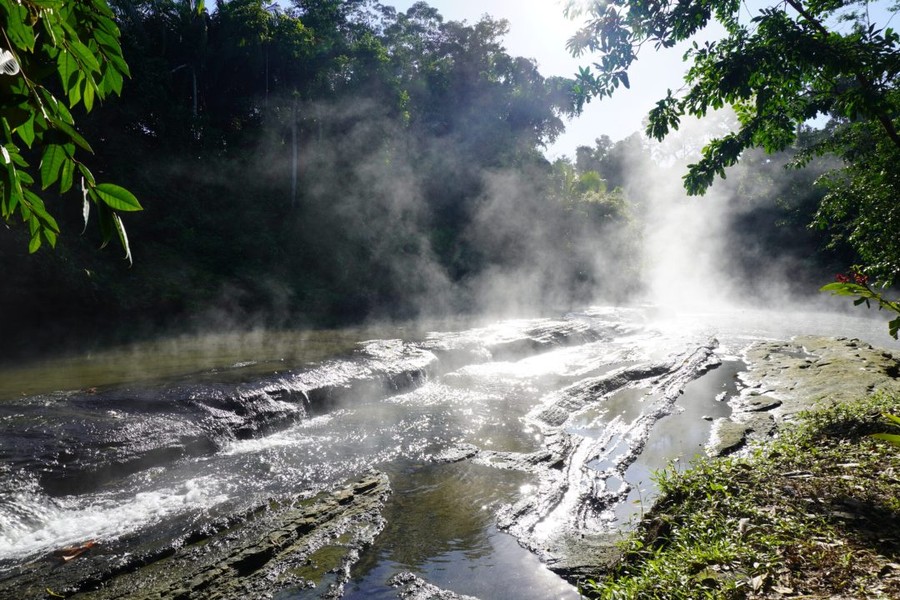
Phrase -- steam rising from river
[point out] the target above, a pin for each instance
(394, 224)
(702, 252)
(374, 214)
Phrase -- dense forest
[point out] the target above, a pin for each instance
(337, 161)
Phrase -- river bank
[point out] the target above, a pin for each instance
(810, 511)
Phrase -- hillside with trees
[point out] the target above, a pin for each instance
(331, 162)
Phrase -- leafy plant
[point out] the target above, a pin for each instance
(857, 285)
(76, 44)
(889, 437)
(774, 523)
(778, 69)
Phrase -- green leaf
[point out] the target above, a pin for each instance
(105, 216)
(88, 96)
(14, 200)
(51, 162)
(888, 437)
(111, 81)
(20, 34)
(15, 183)
(75, 90)
(26, 131)
(73, 135)
(102, 7)
(117, 198)
(34, 244)
(108, 26)
(843, 289)
(50, 236)
(86, 173)
(119, 63)
(37, 206)
(17, 159)
(892, 418)
(67, 67)
(107, 41)
(84, 55)
(68, 171)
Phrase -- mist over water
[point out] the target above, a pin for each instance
(154, 441)
(731, 248)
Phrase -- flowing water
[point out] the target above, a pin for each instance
(152, 442)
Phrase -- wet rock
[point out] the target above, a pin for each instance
(727, 437)
(286, 545)
(559, 408)
(785, 378)
(95, 438)
(844, 369)
(569, 521)
(807, 372)
(762, 403)
(580, 557)
(504, 342)
(411, 587)
(454, 454)
(546, 458)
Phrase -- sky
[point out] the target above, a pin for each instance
(539, 30)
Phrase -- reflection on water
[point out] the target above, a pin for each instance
(169, 440)
(681, 435)
(454, 545)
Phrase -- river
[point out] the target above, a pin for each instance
(495, 440)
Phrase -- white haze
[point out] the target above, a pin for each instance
(376, 202)
(690, 251)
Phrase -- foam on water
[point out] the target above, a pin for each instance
(296, 436)
(30, 522)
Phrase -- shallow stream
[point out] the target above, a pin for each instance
(152, 442)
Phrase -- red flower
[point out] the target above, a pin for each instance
(841, 278)
(860, 279)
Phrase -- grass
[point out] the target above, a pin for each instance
(812, 515)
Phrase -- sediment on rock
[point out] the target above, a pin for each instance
(785, 378)
(573, 494)
(411, 587)
(287, 544)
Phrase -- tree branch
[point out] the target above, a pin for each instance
(866, 85)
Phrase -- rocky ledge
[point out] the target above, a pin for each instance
(283, 546)
(785, 378)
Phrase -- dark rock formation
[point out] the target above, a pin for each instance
(285, 545)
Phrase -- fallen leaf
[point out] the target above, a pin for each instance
(71, 552)
(782, 590)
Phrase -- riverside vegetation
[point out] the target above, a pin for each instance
(812, 515)
(324, 162)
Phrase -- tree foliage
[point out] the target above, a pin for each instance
(786, 65)
(320, 160)
(57, 55)
(779, 68)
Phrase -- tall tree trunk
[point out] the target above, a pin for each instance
(194, 88)
(294, 155)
